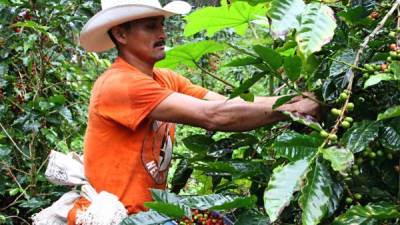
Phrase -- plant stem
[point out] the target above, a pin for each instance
(12, 140)
(271, 85)
(347, 64)
(355, 64)
(214, 76)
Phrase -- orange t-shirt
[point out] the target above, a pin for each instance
(126, 153)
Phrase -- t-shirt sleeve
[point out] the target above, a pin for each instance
(129, 98)
(185, 86)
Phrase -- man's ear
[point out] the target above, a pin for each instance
(119, 34)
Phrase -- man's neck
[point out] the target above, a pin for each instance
(144, 67)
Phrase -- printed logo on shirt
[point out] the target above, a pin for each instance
(157, 151)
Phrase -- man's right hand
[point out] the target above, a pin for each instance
(303, 106)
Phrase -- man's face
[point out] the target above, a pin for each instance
(146, 39)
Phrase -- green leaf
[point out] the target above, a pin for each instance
(335, 199)
(181, 176)
(341, 159)
(354, 15)
(31, 24)
(57, 99)
(243, 139)
(295, 146)
(213, 19)
(236, 169)
(244, 61)
(247, 85)
(340, 59)
(243, 202)
(376, 79)
(189, 53)
(303, 120)
(283, 183)
(164, 196)
(390, 137)
(272, 58)
(390, 113)
(145, 218)
(252, 218)
(315, 196)
(169, 210)
(4, 150)
(365, 215)
(293, 66)
(282, 101)
(317, 28)
(207, 201)
(283, 14)
(369, 5)
(395, 68)
(247, 96)
(198, 142)
(66, 113)
(358, 137)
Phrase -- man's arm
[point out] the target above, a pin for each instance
(223, 115)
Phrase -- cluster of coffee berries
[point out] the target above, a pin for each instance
(394, 33)
(394, 54)
(373, 15)
(356, 196)
(202, 217)
(23, 16)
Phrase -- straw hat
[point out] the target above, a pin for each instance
(94, 36)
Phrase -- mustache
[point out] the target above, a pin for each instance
(159, 43)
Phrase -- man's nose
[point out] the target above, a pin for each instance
(162, 34)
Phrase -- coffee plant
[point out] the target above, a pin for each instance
(342, 168)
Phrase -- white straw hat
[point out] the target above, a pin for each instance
(94, 36)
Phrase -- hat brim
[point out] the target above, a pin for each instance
(94, 36)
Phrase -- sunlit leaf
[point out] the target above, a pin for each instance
(317, 28)
(390, 113)
(295, 146)
(188, 54)
(283, 14)
(315, 195)
(358, 137)
(390, 137)
(304, 120)
(369, 214)
(341, 159)
(376, 79)
(237, 15)
(283, 183)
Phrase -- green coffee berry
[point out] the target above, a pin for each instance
(350, 106)
(324, 133)
(343, 96)
(348, 119)
(345, 124)
(335, 111)
(357, 196)
(332, 137)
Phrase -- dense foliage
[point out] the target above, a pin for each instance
(343, 169)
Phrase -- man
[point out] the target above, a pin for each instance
(134, 107)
